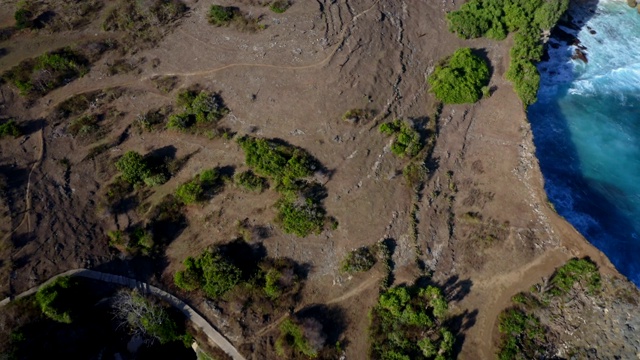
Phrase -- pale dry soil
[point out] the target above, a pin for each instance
(293, 81)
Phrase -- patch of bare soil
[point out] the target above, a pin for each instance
(483, 224)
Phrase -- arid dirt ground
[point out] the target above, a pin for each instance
(294, 80)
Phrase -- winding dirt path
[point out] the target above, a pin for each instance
(213, 335)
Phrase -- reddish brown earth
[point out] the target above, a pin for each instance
(294, 80)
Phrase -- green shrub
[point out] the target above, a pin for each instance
(46, 72)
(494, 18)
(280, 6)
(116, 237)
(582, 271)
(358, 260)
(145, 318)
(50, 300)
(143, 22)
(250, 181)
(523, 337)
(9, 128)
(301, 217)
(189, 192)
(221, 15)
(407, 139)
(292, 335)
(210, 272)
(199, 109)
(408, 323)
(23, 18)
(133, 167)
(194, 190)
(460, 79)
(284, 163)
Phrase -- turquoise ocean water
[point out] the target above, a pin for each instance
(586, 127)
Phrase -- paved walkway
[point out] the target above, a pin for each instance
(145, 288)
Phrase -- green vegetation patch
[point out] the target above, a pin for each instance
(38, 76)
(282, 162)
(524, 336)
(407, 140)
(301, 216)
(460, 78)
(250, 181)
(148, 319)
(9, 128)
(197, 188)
(56, 16)
(576, 271)
(279, 6)
(143, 22)
(230, 15)
(199, 109)
(496, 18)
(408, 323)
(359, 260)
(133, 167)
(292, 335)
(52, 300)
(210, 272)
(300, 209)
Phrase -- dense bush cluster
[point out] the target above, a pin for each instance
(51, 299)
(250, 181)
(496, 18)
(210, 272)
(281, 162)
(136, 169)
(222, 15)
(226, 15)
(300, 337)
(46, 72)
(460, 79)
(407, 323)
(198, 109)
(523, 334)
(143, 22)
(55, 16)
(300, 215)
(9, 128)
(196, 189)
(219, 270)
(146, 319)
(407, 139)
(300, 211)
(581, 271)
(133, 167)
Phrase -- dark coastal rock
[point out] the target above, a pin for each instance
(579, 54)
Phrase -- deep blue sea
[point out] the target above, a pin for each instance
(586, 127)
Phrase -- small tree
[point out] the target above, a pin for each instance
(460, 79)
(133, 167)
(49, 300)
(144, 318)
